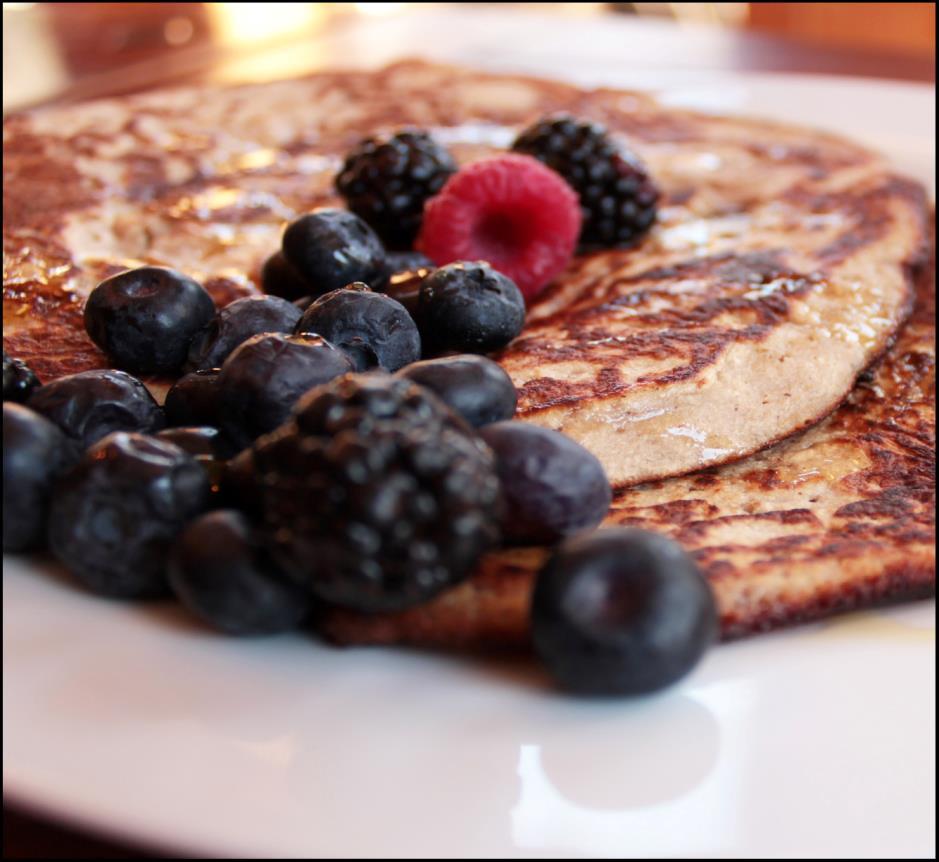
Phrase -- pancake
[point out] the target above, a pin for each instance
(778, 251)
(837, 518)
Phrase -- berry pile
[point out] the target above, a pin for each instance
(323, 445)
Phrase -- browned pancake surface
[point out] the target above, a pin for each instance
(777, 250)
(837, 518)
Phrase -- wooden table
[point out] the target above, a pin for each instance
(583, 46)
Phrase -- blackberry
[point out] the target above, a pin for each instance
(617, 196)
(387, 180)
(19, 380)
(376, 496)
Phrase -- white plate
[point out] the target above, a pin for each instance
(813, 742)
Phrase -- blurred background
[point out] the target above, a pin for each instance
(70, 51)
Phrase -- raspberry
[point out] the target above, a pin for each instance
(511, 211)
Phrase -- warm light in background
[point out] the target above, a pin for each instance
(378, 9)
(245, 23)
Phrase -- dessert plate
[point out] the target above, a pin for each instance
(817, 741)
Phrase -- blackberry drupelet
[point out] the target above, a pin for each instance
(376, 497)
(387, 180)
(617, 196)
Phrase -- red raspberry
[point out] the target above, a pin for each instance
(511, 211)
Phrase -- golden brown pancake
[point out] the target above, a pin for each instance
(837, 518)
(777, 272)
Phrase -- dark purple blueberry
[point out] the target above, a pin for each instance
(331, 248)
(262, 379)
(304, 302)
(115, 515)
(469, 307)
(280, 278)
(35, 453)
(208, 446)
(220, 571)
(196, 440)
(475, 387)
(405, 287)
(19, 380)
(398, 263)
(621, 612)
(552, 487)
(145, 318)
(193, 400)
(406, 261)
(239, 484)
(91, 404)
(236, 323)
(373, 329)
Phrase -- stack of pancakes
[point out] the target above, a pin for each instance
(757, 376)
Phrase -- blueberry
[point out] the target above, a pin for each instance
(552, 486)
(406, 261)
(235, 324)
(399, 262)
(196, 440)
(193, 400)
(35, 453)
(219, 571)
(331, 248)
(19, 380)
(115, 515)
(304, 302)
(470, 307)
(280, 278)
(475, 387)
(239, 486)
(373, 329)
(144, 319)
(261, 380)
(91, 404)
(621, 612)
(405, 287)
